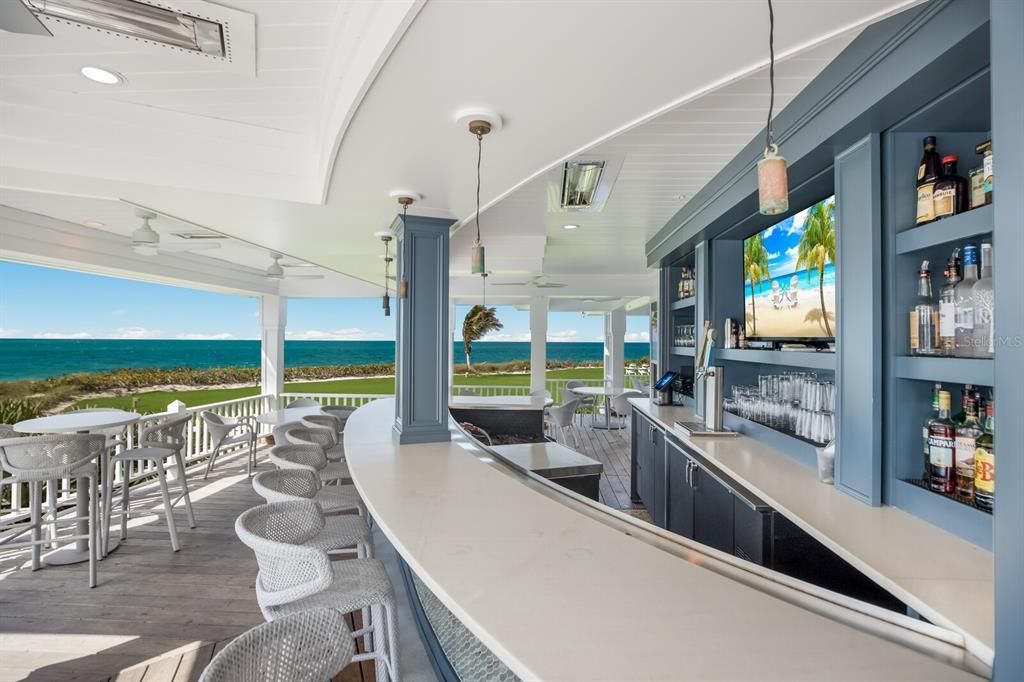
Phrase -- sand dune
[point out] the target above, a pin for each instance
(802, 320)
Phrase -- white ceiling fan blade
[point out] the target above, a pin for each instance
(303, 277)
(180, 248)
(551, 285)
(509, 284)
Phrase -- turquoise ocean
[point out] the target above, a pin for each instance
(42, 358)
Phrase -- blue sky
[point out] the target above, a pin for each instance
(781, 240)
(37, 302)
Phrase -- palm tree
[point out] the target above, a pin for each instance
(755, 269)
(817, 248)
(480, 321)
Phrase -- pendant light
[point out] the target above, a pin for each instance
(479, 128)
(772, 179)
(386, 298)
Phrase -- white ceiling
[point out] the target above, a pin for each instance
(674, 89)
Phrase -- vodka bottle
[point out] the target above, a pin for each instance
(947, 306)
(924, 318)
(964, 304)
(982, 293)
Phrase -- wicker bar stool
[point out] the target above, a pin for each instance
(157, 443)
(38, 459)
(308, 432)
(310, 457)
(342, 412)
(310, 646)
(326, 421)
(340, 531)
(294, 577)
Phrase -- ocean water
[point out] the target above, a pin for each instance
(41, 358)
(808, 282)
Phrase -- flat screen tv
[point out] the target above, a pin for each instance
(789, 277)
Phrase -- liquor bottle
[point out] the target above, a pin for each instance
(985, 149)
(941, 448)
(985, 464)
(967, 435)
(924, 318)
(964, 303)
(984, 323)
(966, 392)
(927, 175)
(925, 431)
(947, 306)
(951, 194)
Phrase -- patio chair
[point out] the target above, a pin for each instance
(342, 412)
(303, 402)
(158, 442)
(307, 433)
(561, 418)
(586, 404)
(294, 577)
(341, 532)
(37, 459)
(621, 407)
(326, 421)
(228, 431)
(280, 432)
(6, 431)
(309, 645)
(308, 457)
(283, 485)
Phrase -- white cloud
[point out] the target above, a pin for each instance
(792, 251)
(62, 335)
(135, 333)
(770, 231)
(773, 256)
(9, 333)
(349, 334)
(506, 337)
(798, 224)
(564, 335)
(206, 337)
(638, 337)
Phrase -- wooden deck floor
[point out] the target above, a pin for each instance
(155, 615)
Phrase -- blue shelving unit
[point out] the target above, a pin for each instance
(807, 359)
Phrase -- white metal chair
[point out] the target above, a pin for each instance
(228, 431)
(621, 407)
(314, 434)
(309, 646)
(303, 402)
(158, 442)
(561, 417)
(309, 457)
(585, 404)
(294, 577)
(289, 485)
(37, 459)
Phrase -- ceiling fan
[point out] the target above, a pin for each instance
(538, 281)
(146, 240)
(276, 269)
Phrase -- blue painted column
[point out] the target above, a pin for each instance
(421, 337)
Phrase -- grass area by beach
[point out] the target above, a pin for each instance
(157, 401)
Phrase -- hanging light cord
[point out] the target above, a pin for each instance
(479, 157)
(771, 75)
(387, 266)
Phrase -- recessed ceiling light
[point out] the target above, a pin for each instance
(93, 223)
(570, 226)
(104, 76)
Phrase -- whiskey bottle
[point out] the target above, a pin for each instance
(967, 435)
(985, 464)
(963, 311)
(924, 318)
(947, 306)
(941, 449)
(925, 431)
(983, 343)
(927, 175)
(951, 195)
(966, 392)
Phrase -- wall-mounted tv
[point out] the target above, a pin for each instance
(789, 277)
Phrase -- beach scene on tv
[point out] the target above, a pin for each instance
(790, 277)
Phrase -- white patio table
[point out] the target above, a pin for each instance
(601, 392)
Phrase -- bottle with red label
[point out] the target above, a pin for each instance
(942, 448)
(950, 196)
(985, 464)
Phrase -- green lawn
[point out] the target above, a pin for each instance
(157, 401)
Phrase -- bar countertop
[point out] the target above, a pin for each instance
(558, 594)
(945, 578)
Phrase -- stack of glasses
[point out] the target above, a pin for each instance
(796, 402)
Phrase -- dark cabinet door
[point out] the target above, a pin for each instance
(638, 435)
(645, 462)
(752, 532)
(659, 486)
(712, 511)
(680, 495)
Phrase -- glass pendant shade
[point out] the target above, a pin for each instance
(386, 304)
(478, 259)
(772, 183)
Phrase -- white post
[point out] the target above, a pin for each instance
(538, 343)
(273, 320)
(451, 346)
(614, 350)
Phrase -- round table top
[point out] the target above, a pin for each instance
(288, 415)
(81, 420)
(596, 390)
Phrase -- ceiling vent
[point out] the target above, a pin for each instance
(194, 29)
(583, 184)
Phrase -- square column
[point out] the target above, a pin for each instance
(614, 348)
(273, 320)
(421, 337)
(538, 343)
